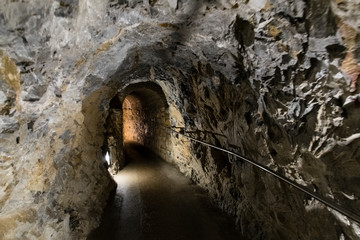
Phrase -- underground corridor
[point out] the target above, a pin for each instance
(146, 152)
(180, 119)
(153, 199)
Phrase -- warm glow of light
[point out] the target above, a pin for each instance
(125, 178)
(133, 120)
(107, 158)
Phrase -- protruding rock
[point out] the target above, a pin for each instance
(173, 3)
(8, 124)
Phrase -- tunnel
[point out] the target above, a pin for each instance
(138, 114)
(179, 119)
(153, 200)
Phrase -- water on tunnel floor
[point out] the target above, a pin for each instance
(154, 200)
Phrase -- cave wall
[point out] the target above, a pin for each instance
(134, 121)
(276, 81)
(156, 138)
(114, 141)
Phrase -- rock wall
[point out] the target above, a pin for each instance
(113, 140)
(135, 126)
(275, 81)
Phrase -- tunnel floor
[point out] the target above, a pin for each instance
(155, 201)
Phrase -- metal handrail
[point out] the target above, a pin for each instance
(303, 189)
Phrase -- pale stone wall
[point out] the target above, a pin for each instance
(135, 127)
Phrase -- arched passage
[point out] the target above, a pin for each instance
(153, 199)
(136, 114)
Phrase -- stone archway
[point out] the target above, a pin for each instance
(137, 114)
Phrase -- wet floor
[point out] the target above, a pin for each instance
(154, 201)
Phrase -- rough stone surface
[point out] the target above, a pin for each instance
(275, 81)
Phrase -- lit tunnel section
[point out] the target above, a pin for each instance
(153, 199)
(135, 126)
(135, 115)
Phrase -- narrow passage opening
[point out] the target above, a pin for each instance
(135, 116)
(144, 110)
(153, 200)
